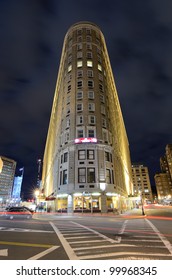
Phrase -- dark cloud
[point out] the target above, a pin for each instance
(139, 41)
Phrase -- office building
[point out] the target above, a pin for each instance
(141, 182)
(6, 179)
(86, 163)
(163, 180)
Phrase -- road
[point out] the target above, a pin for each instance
(89, 237)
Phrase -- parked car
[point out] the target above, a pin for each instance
(18, 213)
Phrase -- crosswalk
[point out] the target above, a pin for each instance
(136, 239)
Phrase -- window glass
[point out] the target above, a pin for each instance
(90, 154)
(81, 175)
(65, 177)
(91, 175)
(89, 63)
(81, 154)
(79, 63)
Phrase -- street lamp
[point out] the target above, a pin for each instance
(142, 204)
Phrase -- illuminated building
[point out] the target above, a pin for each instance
(141, 182)
(86, 161)
(163, 180)
(6, 179)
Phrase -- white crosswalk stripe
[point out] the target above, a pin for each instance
(81, 242)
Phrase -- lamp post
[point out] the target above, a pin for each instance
(142, 204)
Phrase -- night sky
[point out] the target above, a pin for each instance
(138, 35)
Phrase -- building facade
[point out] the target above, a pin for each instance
(86, 161)
(163, 180)
(163, 188)
(6, 179)
(141, 182)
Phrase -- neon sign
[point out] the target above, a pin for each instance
(85, 140)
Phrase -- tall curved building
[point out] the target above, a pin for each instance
(86, 161)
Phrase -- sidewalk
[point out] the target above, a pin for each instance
(54, 215)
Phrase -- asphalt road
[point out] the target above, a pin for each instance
(89, 237)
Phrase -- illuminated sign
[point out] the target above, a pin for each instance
(85, 140)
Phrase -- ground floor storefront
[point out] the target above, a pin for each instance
(90, 202)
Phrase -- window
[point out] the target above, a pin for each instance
(79, 55)
(101, 87)
(79, 74)
(88, 31)
(102, 98)
(91, 133)
(68, 111)
(79, 63)
(68, 100)
(108, 176)
(79, 31)
(92, 119)
(88, 38)
(69, 78)
(90, 154)
(103, 110)
(66, 136)
(79, 84)
(81, 154)
(91, 107)
(89, 47)
(80, 133)
(65, 177)
(60, 177)
(79, 47)
(81, 175)
(100, 77)
(91, 94)
(107, 156)
(61, 160)
(105, 135)
(69, 68)
(65, 159)
(69, 88)
(90, 84)
(104, 122)
(79, 119)
(79, 95)
(99, 51)
(91, 175)
(89, 63)
(99, 59)
(67, 122)
(79, 39)
(99, 67)
(89, 54)
(70, 59)
(79, 107)
(90, 73)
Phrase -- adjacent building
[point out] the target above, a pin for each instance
(163, 180)
(86, 161)
(8, 167)
(141, 182)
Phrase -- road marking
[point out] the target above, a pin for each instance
(42, 254)
(81, 237)
(76, 234)
(104, 246)
(4, 252)
(23, 230)
(161, 236)
(69, 251)
(88, 257)
(25, 244)
(97, 233)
